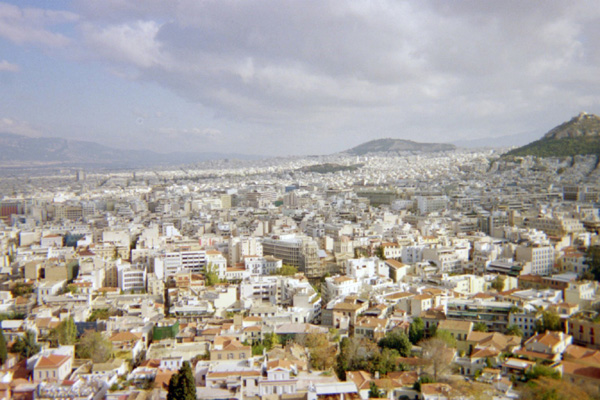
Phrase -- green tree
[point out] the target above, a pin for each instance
(286, 270)
(26, 345)
(3, 349)
(93, 345)
(65, 333)
(380, 252)
(514, 330)
(211, 275)
(384, 361)
(445, 336)
(398, 341)
(549, 321)
(592, 258)
(539, 370)
(270, 340)
(182, 385)
(498, 283)
(374, 392)
(480, 327)
(416, 330)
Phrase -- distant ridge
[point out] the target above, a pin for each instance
(30, 152)
(397, 145)
(578, 136)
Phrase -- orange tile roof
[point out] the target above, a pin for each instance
(51, 361)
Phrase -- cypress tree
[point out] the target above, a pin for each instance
(3, 349)
(182, 385)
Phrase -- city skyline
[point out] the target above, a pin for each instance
(293, 78)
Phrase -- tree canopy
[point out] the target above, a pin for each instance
(416, 330)
(65, 333)
(549, 321)
(398, 341)
(93, 345)
(182, 385)
(3, 349)
(26, 345)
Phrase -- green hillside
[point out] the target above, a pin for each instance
(565, 147)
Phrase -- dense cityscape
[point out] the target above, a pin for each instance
(456, 274)
(299, 200)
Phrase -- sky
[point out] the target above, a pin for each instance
(281, 77)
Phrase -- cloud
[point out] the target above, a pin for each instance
(8, 67)
(30, 25)
(316, 76)
(18, 127)
(191, 132)
(132, 44)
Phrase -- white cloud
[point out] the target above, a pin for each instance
(132, 43)
(8, 67)
(31, 25)
(319, 76)
(18, 127)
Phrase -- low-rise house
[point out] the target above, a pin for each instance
(54, 365)
(226, 348)
(371, 328)
(547, 346)
(279, 378)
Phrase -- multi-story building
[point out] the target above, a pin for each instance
(267, 265)
(495, 314)
(132, 277)
(541, 258)
(585, 329)
(298, 251)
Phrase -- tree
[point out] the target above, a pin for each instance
(514, 330)
(397, 340)
(550, 321)
(286, 270)
(437, 356)
(65, 333)
(445, 336)
(498, 283)
(26, 345)
(3, 349)
(592, 258)
(182, 385)
(270, 340)
(384, 361)
(355, 354)
(539, 370)
(374, 392)
(211, 276)
(552, 389)
(93, 345)
(380, 252)
(416, 330)
(480, 327)
(322, 353)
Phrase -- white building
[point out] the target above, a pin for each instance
(131, 277)
(541, 258)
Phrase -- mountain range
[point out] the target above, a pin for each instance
(23, 151)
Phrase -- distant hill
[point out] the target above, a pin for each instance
(397, 145)
(23, 151)
(580, 135)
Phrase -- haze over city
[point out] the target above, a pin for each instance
(293, 78)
